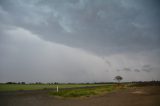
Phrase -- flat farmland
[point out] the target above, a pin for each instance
(106, 95)
(17, 87)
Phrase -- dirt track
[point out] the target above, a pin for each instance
(142, 96)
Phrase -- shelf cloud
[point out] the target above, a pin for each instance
(78, 40)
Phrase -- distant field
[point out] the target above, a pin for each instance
(15, 87)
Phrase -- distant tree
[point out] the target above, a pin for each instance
(11, 83)
(23, 83)
(118, 78)
(56, 83)
(38, 83)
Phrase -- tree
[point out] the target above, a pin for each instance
(118, 78)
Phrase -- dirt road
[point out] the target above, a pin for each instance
(141, 96)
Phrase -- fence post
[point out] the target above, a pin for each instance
(57, 88)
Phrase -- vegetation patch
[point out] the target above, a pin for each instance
(84, 91)
(17, 87)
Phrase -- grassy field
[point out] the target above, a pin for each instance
(86, 92)
(15, 87)
(75, 90)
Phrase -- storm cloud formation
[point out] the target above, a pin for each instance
(78, 40)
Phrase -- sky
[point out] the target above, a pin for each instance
(79, 40)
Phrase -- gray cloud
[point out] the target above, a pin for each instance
(124, 32)
(118, 70)
(108, 63)
(136, 70)
(147, 68)
(127, 69)
(95, 24)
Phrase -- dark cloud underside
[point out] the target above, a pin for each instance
(121, 36)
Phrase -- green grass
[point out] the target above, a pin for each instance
(75, 91)
(15, 87)
(81, 92)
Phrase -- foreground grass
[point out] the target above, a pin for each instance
(86, 92)
(16, 87)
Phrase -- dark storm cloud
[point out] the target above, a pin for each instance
(103, 26)
(84, 38)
